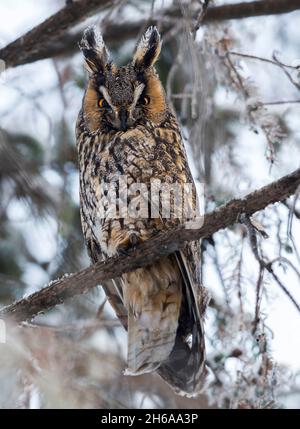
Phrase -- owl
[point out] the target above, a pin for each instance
(128, 139)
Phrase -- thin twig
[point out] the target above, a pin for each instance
(283, 68)
(273, 103)
(266, 60)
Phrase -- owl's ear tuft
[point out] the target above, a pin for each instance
(94, 50)
(148, 49)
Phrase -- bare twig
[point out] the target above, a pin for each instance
(281, 285)
(268, 266)
(201, 16)
(75, 328)
(258, 299)
(265, 60)
(288, 75)
(274, 103)
(252, 110)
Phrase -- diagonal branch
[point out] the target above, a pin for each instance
(162, 244)
(51, 38)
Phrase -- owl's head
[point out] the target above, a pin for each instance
(120, 98)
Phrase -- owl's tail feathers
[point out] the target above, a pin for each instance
(148, 345)
(153, 297)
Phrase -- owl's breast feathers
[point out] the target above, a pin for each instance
(163, 301)
(142, 159)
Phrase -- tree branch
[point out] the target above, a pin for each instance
(254, 8)
(27, 46)
(51, 39)
(146, 253)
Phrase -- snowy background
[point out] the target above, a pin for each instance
(34, 103)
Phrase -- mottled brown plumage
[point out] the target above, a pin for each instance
(127, 130)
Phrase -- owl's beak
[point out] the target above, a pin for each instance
(123, 116)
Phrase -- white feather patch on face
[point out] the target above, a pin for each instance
(137, 93)
(106, 96)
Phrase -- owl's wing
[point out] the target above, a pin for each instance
(185, 369)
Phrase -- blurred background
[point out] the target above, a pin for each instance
(240, 120)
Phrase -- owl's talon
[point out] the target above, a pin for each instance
(134, 239)
(129, 246)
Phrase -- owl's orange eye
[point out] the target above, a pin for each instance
(145, 100)
(103, 104)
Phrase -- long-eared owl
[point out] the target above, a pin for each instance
(128, 139)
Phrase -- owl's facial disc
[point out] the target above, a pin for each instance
(119, 98)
